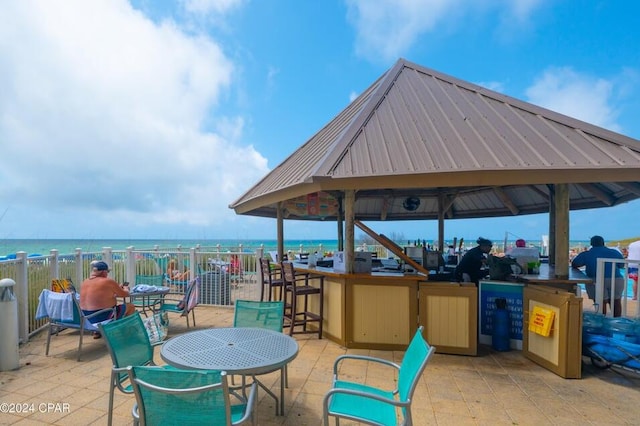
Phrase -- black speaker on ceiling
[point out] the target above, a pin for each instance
(411, 204)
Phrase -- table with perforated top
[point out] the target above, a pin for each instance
(244, 351)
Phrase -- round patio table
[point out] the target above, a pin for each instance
(244, 351)
(150, 299)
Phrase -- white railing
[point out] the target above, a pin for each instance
(602, 280)
(33, 274)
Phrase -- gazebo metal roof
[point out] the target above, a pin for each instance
(418, 133)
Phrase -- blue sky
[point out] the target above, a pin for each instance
(146, 119)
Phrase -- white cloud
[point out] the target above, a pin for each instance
(102, 114)
(496, 86)
(386, 29)
(211, 6)
(577, 95)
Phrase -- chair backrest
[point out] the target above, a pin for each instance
(128, 341)
(192, 295)
(157, 280)
(413, 364)
(64, 309)
(251, 313)
(173, 396)
(162, 263)
(288, 273)
(265, 268)
(64, 285)
(60, 307)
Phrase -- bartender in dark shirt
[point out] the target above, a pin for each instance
(470, 267)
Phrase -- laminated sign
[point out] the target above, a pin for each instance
(541, 320)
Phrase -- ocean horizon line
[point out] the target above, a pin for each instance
(44, 246)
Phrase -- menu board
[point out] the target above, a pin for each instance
(489, 292)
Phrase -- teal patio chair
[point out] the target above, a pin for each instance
(269, 315)
(129, 345)
(183, 304)
(187, 397)
(57, 322)
(373, 405)
(251, 313)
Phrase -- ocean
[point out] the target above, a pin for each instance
(68, 246)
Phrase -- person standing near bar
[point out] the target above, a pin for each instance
(589, 259)
(470, 268)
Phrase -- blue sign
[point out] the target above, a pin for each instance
(512, 292)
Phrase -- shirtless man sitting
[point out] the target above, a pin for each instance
(99, 292)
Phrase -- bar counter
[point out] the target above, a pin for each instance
(547, 276)
(380, 310)
(371, 311)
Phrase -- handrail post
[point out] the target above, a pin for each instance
(130, 266)
(54, 270)
(79, 268)
(22, 296)
(192, 263)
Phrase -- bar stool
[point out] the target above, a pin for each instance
(298, 286)
(269, 280)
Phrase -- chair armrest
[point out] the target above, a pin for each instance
(362, 358)
(390, 401)
(177, 297)
(101, 311)
(250, 404)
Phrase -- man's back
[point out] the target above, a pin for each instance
(99, 293)
(589, 259)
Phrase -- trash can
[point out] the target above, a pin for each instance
(500, 338)
(9, 357)
(215, 288)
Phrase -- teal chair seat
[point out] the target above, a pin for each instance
(357, 401)
(374, 405)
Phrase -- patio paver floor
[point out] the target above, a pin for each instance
(494, 388)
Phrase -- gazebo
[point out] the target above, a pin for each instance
(422, 145)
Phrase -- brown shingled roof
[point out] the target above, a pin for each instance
(416, 132)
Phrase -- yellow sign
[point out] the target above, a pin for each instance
(541, 320)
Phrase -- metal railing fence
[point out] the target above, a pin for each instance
(235, 267)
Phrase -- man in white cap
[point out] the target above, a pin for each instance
(99, 292)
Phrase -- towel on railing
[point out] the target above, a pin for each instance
(55, 305)
(144, 288)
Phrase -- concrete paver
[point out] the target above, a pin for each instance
(494, 388)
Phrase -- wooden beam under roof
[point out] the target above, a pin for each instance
(506, 200)
(634, 187)
(601, 195)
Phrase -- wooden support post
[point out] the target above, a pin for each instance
(349, 217)
(562, 230)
